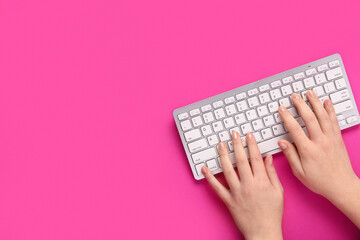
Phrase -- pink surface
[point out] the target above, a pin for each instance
(88, 145)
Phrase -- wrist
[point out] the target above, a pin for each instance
(346, 191)
(274, 234)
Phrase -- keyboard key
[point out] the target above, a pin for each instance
(183, 116)
(334, 63)
(323, 67)
(217, 126)
(309, 82)
(340, 117)
(218, 104)
(246, 128)
(329, 87)
(269, 120)
(212, 165)
(198, 169)
(251, 114)
(298, 86)
(264, 98)
(285, 102)
(340, 83)
(206, 130)
(264, 88)
(286, 90)
(240, 96)
(293, 112)
(253, 102)
(204, 155)
(231, 147)
(235, 129)
(277, 117)
(334, 73)
(229, 100)
(273, 107)
(185, 125)
(224, 136)
(310, 71)
(343, 106)
(240, 118)
(257, 137)
(208, 117)
(257, 124)
(278, 129)
(197, 145)
(206, 108)
(319, 91)
(322, 99)
(230, 110)
(252, 92)
(195, 112)
(262, 111)
(287, 80)
(229, 122)
(275, 84)
(299, 75)
(213, 140)
(275, 94)
(340, 96)
(197, 121)
(300, 121)
(192, 135)
(351, 119)
(320, 78)
(242, 106)
(266, 133)
(219, 113)
(303, 95)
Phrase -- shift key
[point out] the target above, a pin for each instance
(204, 155)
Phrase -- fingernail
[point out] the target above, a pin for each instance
(249, 136)
(328, 103)
(295, 96)
(270, 160)
(310, 93)
(283, 146)
(221, 146)
(204, 170)
(282, 109)
(235, 135)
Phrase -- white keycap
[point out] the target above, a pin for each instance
(212, 165)
(269, 120)
(340, 83)
(285, 102)
(264, 88)
(246, 128)
(287, 80)
(309, 82)
(204, 155)
(257, 137)
(329, 87)
(275, 84)
(319, 91)
(303, 95)
(240, 118)
(286, 90)
(299, 75)
(206, 108)
(257, 124)
(192, 135)
(262, 111)
(229, 100)
(339, 96)
(293, 112)
(195, 112)
(206, 130)
(197, 145)
(323, 67)
(334, 63)
(277, 117)
(278, 129)
(252, 92)
(300, 121)
(334, 73)
(251, 114)
(310, 71)
(229, 122)
(230, 110)
(342, 123)
(198, 168)
(264, 98)
(183, 116)
(242, 106)
(273, 107)
(219, 113)
(275, 94)
(217, 126)
(253, 102)
(320, 78)
(340, 117)
(298, 86)
(351, 119)
(322, 99)
(266, 133)
(224, 136)
(197, 121)
(213, 140)
(218, 104)
(243, 139)
(240, 96)
(343, 106)
(231, 147)
(235, 129)
(185, 125)
(208, 117)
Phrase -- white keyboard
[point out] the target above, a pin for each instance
(253, 108)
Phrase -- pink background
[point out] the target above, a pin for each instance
(88, 145)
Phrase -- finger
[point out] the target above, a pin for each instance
(242, 161)
(320, 112)
(292, 156)
(294, 128)
(271, 172)
(228, 169)
(329, 107)
(257, 163)
(220, 190)
(307, 115)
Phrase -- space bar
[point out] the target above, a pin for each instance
(272, 144)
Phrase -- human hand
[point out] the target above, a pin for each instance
(256, 199)
(319, 161)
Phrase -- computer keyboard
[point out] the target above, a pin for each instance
(253, 108)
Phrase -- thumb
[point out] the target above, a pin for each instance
(292, 156)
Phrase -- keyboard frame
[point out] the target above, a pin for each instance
(256, 84)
